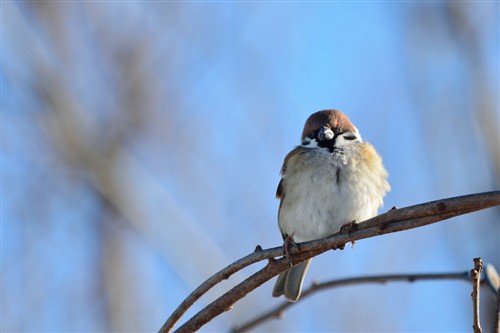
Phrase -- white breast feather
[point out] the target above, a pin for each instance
(319, 199)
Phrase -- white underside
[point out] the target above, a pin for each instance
(319, 200)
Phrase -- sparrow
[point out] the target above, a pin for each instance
(332, 179)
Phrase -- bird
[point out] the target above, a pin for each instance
(332, 179)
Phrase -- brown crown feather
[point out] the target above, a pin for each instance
(334, 118)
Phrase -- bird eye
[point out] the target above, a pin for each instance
(350, 137)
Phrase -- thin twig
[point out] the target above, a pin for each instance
(392, 221)
(315, 287)
(475, 275)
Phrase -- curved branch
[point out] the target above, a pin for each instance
(392, 221)
(224, 274)
(315, 287)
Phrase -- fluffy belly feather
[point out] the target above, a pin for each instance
(319, 199)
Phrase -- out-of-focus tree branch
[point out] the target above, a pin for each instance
(392, 221)
(482, 90)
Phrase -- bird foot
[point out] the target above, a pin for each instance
(286, 248)
(349, 227)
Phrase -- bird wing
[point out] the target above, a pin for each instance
(280, 191)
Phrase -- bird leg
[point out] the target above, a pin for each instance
(286, 248)
(349, 227)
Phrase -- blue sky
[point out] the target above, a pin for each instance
(189, 109)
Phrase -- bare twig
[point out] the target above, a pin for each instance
(392, 221)
(475, 275)
(278, 311)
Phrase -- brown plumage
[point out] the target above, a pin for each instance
(332, 118)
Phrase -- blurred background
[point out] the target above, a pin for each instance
(142, 143)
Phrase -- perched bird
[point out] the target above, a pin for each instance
(333, 178)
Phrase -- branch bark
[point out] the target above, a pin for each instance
(393, 221)
(475, 275)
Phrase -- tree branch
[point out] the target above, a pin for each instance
(392, 221)
(475, 275)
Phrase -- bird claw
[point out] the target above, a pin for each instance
(286, 248)
(349, 227)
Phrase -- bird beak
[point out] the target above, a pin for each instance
(325, 133)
